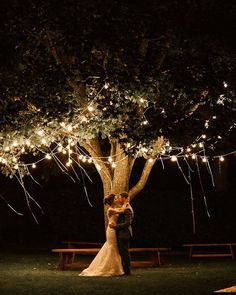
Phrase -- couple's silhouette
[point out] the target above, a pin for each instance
(113, 259)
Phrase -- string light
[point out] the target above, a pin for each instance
(113, 165)
(59, 149)
(90, 160)
(200, 144)
(7, 149)
(222, 159)
(69, 128)
(150, 160)
(204, 136)
(193, 157)
(110, 159)
(27, 142)
(48, 157)
(141, 100)
(43, 141)
(204, 159)
(16, 166)
(34, 165)
(173, 158)
(90, 108)
(106, 86)
(188, 149)
(40, 132)
(225, 84)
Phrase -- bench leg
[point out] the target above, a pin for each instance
(62, 261)
(190, 252)
(231, 251)
(156, 258)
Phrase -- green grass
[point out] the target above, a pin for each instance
(37, 273)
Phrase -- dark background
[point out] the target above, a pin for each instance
(162, 209)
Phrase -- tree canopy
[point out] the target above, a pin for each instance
(156, 77)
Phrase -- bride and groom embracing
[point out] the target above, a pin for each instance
(114, 259)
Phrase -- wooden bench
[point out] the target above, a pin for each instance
(228, 247)
(67, 256)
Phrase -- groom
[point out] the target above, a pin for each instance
(124, 231)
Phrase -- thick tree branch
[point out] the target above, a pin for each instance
(143, 178)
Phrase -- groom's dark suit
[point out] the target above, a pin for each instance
(124, 233)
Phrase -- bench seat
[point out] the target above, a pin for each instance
(67, 256)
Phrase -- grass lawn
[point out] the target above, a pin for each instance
(36, 273)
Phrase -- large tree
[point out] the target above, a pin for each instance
(108, 82)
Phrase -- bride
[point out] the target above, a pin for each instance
(108, 261)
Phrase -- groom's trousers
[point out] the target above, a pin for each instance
(123, 245)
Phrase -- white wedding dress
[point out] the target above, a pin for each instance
(108, 261)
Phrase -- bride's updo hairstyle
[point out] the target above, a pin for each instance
(109, 199)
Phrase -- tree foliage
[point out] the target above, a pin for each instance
(121, 72)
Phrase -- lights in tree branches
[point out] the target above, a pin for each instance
(222, 158)
(173, 158)
(204, 159)
(48, 157)
(203, 136)
(34, 165)
(225, 84)
(90, 108)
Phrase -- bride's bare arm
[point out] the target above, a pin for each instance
(117, 210)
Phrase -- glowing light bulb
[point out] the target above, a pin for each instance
(128, 145)
(188, 149)
(59, 149)
(145, 122)
(106, 86)
(62, 124)
(15, 143)
(204, 136)
(80, 157)
(40, 132)
(214, 117)
(64, 152)
(204, 159)
(110, 159)
(150, 160)
(201, 144)
(23, 150)
(225, 84)
(193, 157)
(113, 165)
(27, 142)
(14, 159)
(43, 141)
(84, 159)
(222, 158)
(194, 145)
(68, 164)
(173, 158)
(69, 128)
(90, 160)
(141, 100)
(48, 157)
(90, 108)
(7, 149)
(34, 165)
(16, 166)
(98, 167)
(219, 137)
